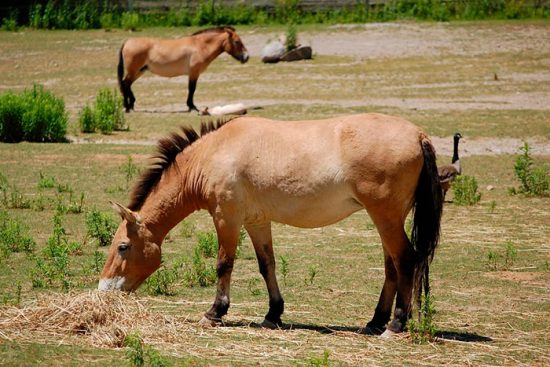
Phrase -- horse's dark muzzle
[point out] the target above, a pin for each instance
(244, 57)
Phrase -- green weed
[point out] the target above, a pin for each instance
(129, 21)
(492, 261)
(162, 282)
(101, 226)
(130, 170)
(284, 267)
(86, 120)
(322, 361)
(291, 38)
(109, 113)
(13, 236)
(207, 244)
(138, 354)
(535, 181)
(187, 229)
(465, 191)
(312, 271)
(35, 115)
(423, 331)
(252, 286)
(46, 182)
(12, 299)
(510, 255)
(200, 273)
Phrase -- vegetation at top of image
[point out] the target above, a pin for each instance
(106, 115)
(35, 115)
(465, 190)
(89, 14)
(534, 180)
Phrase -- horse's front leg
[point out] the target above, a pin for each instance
(262, 241)
(191, 92)
(228, 235)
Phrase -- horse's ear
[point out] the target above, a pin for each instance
(125, 213)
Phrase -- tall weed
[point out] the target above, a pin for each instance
(534, 180)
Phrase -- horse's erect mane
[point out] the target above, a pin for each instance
(214, 30)
(167, 150)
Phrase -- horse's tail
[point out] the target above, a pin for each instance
(428, 208)
(120, 70)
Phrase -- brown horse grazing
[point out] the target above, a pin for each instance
(252, 171)
(184, 56)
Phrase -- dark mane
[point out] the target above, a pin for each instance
(214, 29)
(167, 150)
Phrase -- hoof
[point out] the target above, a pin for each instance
(269, 325)
(368, 330)
(388, 334)
(208, 323)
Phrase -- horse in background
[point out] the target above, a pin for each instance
(184, 56)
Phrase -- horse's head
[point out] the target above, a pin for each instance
(133, 256)
(234, 46)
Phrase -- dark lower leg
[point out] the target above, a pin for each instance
(382, 312)
(191, 93)
(403, 304)
(226, 258)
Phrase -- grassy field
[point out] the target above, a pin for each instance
(491, 274)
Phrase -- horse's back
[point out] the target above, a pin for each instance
(313, 173)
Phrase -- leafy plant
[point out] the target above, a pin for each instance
(101, 226)
(9, 298)
(139, 354)
(511, 254)
(129, 21)
(312, 272)
(109, 113)
(200, 273)
(130, 170)
(465, 191)
(535, 181)
(207, 244)
(13, 236)
(86, 120)
(162, 282)
(322, 361)
(34, 115)
(492, 260)
(425, 330)
(252, 286)
(284, 267)
(46, 182)
(291, 37)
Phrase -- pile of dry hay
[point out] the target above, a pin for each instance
(100, 318)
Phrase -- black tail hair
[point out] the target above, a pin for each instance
(428, 208)
(120, 70)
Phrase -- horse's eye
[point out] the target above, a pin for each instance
(123, 247)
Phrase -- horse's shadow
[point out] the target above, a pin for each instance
(460, 336)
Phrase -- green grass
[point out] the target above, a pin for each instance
(332, 276)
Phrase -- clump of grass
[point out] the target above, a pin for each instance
(322, 361)
(252, 286)
(138, 354)
(12, 299)
(465, 191)
(35, 115)
(129, 21)
(534, 180)
(424, 331)
(46, 182)
(187, 229)
(101, 226)
(162, 282)
(291, 38)
(13, 236)
(200, 273)
(496, 260)
(106, 115)
(284, 267)
(312, 271)
(130, 170)
(207, 244)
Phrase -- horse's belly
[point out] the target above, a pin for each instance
(311, 211)
(169, 70)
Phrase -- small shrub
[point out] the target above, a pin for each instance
(86, 120)
(252, 286)
(312, 272)
(130, 170)
(207, 244)
(492, 261)
(35, 115)
(97, 262)
(129, 21)
(465, 191)
(200, 273)
(12, 299)
(100, 226)
(9, 24)
(322, 361)
(162, 282)
(425, 330)
(291, 37)
(109, 113)
(46, 182)
(134, 352)
(284, 267)
(535, 181)
(511, 254)
(18, 200)
(13, 236)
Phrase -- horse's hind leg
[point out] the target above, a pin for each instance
(399, 268)
(193, 78)
(262, 241)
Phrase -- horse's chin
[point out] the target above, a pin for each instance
(244, 58)
(115, 283)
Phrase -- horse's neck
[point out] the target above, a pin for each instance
(214, 44)
(177, 195)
